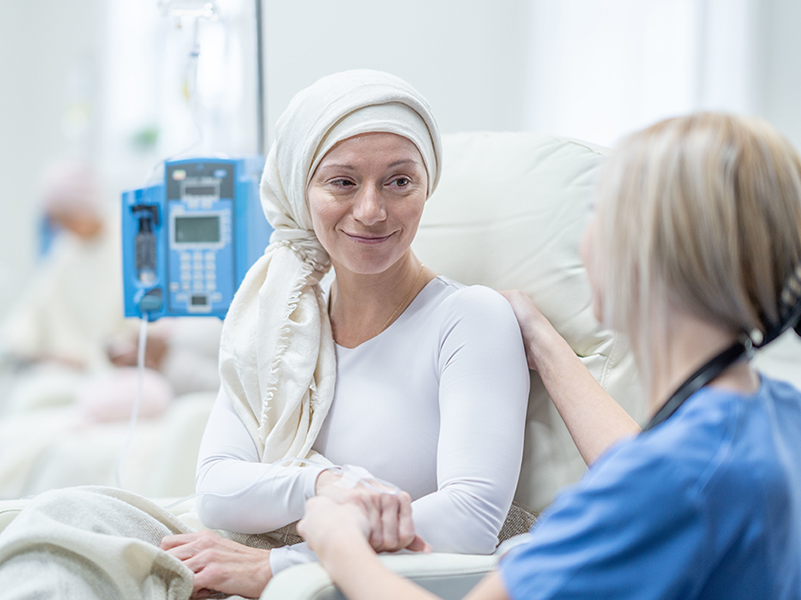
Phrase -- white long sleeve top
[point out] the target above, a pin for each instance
(435, 404)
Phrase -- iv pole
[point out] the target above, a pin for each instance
(259, 79)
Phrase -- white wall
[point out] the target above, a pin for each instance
(598, 69)
(467, 57)
(778, 87)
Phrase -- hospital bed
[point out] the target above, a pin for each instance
(510, 212)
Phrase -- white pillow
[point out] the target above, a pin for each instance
(509, 212)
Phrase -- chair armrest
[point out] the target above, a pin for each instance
(449, 576)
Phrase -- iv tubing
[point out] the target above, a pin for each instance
(140, 371)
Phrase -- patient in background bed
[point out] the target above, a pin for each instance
(69, 353)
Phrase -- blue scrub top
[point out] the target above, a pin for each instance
(707, 505)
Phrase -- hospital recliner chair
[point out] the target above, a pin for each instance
(509, 212)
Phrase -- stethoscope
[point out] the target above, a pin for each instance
(700, 378)
(791, 318)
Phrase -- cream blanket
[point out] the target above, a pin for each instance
(92, 543)
(277, 360)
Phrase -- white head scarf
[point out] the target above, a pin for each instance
(277, 360)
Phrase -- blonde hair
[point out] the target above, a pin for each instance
(700, 214)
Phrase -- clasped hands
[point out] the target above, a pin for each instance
(366, 511)
(371, 511)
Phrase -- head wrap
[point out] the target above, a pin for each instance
(277, 359)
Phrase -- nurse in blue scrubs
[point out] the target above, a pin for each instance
(695, 255)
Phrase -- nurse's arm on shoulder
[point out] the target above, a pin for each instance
(592, 416)
(338, 534)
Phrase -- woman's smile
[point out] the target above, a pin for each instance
(366, 238)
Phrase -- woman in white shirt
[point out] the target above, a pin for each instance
(429, 373)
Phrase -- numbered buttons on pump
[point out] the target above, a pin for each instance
(211, 272)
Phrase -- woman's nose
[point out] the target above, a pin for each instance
(369, 208)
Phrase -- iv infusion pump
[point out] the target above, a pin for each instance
(189, 240)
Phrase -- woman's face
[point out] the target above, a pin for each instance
(366, 199)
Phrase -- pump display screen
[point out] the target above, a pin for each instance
(193, 230)
(200, 190)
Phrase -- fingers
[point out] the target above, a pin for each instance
(418, 544)
(206, 581)
(406, 533)
(399, 531)
(188, 544)
(396, 525)
(220, 565)
(191, 549)
(172, 541)
(390, 521)
(372, 505)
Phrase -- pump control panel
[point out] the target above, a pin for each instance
(189, 240)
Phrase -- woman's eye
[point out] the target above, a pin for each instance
(402, 181)
(343, 183)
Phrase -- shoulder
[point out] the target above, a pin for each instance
(472, 321)
(783, 393)
(717, 454)
(681, 453)
(474, 312)
(470, 300)
(719, 435)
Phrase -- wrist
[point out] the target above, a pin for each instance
(544, 343)
(265, 570)
(326, 477)
(341, 548)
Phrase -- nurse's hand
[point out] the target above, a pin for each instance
(388, 513)
(536, 329)
(593, 418)
(327, 523)
(220, 565)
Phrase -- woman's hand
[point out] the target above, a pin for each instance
(387, 513)
(533, 324)
(327, 523)
(220, 565)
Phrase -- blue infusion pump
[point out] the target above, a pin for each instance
(189, 240)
